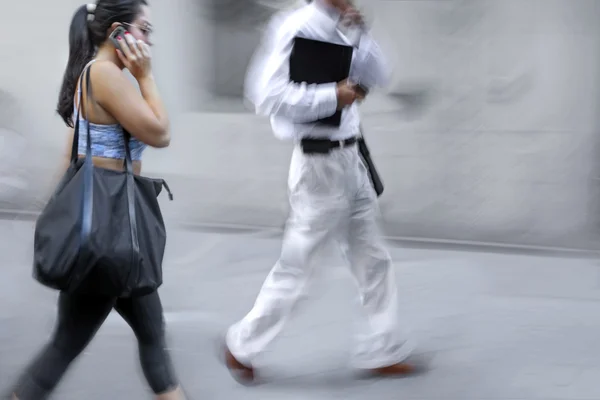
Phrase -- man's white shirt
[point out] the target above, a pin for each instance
(291, 106)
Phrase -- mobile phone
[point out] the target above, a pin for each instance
(119, 31)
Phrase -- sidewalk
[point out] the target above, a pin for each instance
(496, 326)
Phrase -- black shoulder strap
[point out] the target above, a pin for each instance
(75, 144)
(88, 94)
(81, 112)
(133, 227)
(88, 170)
(88, 183)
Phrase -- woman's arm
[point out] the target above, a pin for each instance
(141, 114)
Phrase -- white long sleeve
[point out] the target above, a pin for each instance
(370, 67)
(294, 108)
(269, 88)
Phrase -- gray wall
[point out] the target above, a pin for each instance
(487, 134)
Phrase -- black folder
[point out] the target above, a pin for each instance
(317, 62)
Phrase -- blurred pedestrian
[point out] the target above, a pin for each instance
(330, 193)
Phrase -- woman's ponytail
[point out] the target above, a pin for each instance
(81, 52)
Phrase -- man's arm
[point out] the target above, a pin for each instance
(269, 88)
(370, 67)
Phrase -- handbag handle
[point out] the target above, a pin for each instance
(133, 228)
(88, 176)
(75, 144)
(88, 167)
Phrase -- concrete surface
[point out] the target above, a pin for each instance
(496, 326)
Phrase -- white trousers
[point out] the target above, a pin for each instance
(331, 197)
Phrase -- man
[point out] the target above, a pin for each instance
(330, 194)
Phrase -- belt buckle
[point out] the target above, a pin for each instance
(341, 143)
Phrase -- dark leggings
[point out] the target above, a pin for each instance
(79, 318)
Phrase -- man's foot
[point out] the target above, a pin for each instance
(400, 369)
(414, 365)
(240, 372)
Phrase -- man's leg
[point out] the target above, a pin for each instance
(317, 201)
(382, 346)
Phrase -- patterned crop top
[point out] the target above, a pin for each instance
(108, 141)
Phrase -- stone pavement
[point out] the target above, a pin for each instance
(495, 326)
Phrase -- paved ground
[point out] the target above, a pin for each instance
(496, 326)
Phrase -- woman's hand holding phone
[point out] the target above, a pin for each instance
(135, 55)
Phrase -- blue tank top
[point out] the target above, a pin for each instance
(108, 141)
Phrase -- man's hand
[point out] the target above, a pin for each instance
(346, 94)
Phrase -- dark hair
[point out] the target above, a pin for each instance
(84, 37)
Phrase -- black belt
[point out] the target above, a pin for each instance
(324, 146)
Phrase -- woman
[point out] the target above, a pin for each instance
(114, 105)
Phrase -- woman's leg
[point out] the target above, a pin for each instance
(79, 318)
(145, 316)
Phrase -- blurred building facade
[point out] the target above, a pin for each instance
(489, 132)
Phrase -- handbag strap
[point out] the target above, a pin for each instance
(75, 144)
(88, 166)
(88, 180)
(133, 227)
(361, 142)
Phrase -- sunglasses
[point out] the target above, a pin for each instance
(146, 28)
